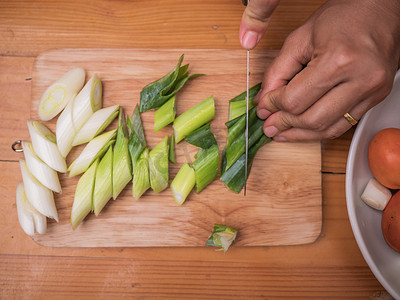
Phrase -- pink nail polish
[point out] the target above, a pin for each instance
(270, 131)
(263, 113)
(249, 40)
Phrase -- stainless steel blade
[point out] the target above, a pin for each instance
(247, 121)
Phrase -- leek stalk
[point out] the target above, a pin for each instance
(83, 196)
(183, 183)
(122, 166)
(141, 177)
(96, 124)
(194, 118)
(158, 166)
(103, 186)
(237, 105)
(58, 95)
(94, 149)
(165, 114)
(206, 167)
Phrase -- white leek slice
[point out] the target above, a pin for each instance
(45, 146)
(43, 173)
(103, 188)
(95, 148)
(65, 129)
(24, 215)
(88, 101)
(96, 124)
(57, 96)
(39, 196)
(83, 196)
(40, 222)
(376, 195)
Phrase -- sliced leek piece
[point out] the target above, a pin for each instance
(165, 114)
(95, 148)
(141, 176)
(158, 166)
(206, 167)
(39, 196)
(103, 183)
(88, 101)
(24, 215)
(83, 196)
(57, 96)
(43, 173)
(183, 183)
(96, 124)
(65, 129)
(222, 236)
(44, 145)
(122, 166)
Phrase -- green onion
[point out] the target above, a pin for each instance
(41, 171)
(206, 167)
(237, 105)
(44, 145)
(122, 166)
(202, 137)
(94, 149)
(183, 183)
(158, 166)
(103, 188)
(96, 124)
(65, 129)
(171, 155)
(40, 197)
(141, 177)
(194, 118)
(234, 176)
(165, 114)
(87, 102)
(29, 218)
(83, 196)
(155, 94)
(137, 141)
(57, 96)
(222, 236)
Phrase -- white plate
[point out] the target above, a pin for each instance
(365, 221)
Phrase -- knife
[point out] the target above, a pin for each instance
(246, 133)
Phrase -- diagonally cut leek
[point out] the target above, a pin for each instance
(42, 172)
(103, 183)
(222, 236)
(57, 96)
(44, 145)
(122, 166)
(194, 118)
(65, 129)
(171, 154)
(237, 105)
(206, 167)
(165, 114)
(141, 176)
(158, 166)
(96, 124)
(137, 141)
(95, 148)
(40, 197)
(88, 101)
(83, 196)
(202, 137)
(29, 218)
(183, 183)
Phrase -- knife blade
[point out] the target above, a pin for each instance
(246, 134)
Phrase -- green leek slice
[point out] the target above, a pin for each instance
(183, 183)
(165, 114)
(158, 166)
(202, 137)
(171, 154)
(206, 167)
(237, 105)
(141, 177)
(103, 188)
(222, 236)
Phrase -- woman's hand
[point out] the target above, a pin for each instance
(342, 60)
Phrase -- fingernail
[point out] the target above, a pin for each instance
(263, 113)
(270, 131)
(249, 40)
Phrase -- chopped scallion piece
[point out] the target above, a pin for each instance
(183, 183)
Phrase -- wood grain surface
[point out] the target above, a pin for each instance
(281, 208)
(330, 268)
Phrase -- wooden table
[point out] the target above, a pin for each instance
(331, 267)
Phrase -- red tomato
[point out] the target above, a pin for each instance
(384, 157)
(391, 222)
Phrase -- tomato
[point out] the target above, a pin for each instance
(391, 222)
(384, 157)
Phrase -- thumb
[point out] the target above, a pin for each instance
(255, 21)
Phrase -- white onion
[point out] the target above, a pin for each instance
(41, 171)
(40, 197)
(44, 145)
(57, 96)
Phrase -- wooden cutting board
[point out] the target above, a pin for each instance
(283, 202)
